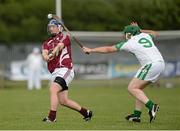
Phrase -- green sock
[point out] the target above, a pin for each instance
(149, 104)
(137, 113)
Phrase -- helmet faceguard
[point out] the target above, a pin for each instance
(131, 30)
(54, 23)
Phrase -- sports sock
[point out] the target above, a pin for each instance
(83, 112)
(137, 113)
(149, 104)
(52, 115)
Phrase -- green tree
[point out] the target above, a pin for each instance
(25, 20)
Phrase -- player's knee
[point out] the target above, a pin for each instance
(53, 89)
(61, 82)
(63, 102)
(131, 88)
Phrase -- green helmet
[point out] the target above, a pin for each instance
(134, 30)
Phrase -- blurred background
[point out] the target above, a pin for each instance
(23, 26)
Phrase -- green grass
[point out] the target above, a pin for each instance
(110, 101)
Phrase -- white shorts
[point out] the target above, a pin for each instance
(65, 73)
(151, 72)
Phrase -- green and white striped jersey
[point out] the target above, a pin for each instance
(142, 46)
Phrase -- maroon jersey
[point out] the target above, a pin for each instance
(64, 58)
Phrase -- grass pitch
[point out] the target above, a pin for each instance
(110, 101)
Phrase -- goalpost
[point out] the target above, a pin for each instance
(59, 8)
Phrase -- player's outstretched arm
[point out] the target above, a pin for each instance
(103, 49)
(151, 32)
(55, 51)
(45, 55)
(58, 48)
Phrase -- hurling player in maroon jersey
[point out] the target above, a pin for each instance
(56, 51)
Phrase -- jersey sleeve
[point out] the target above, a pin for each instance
(152, 37)
(120, 45)
(45, 46)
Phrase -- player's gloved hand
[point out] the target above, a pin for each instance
(86, 50)
(51, 56)
(134, 23)
(46, 58)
